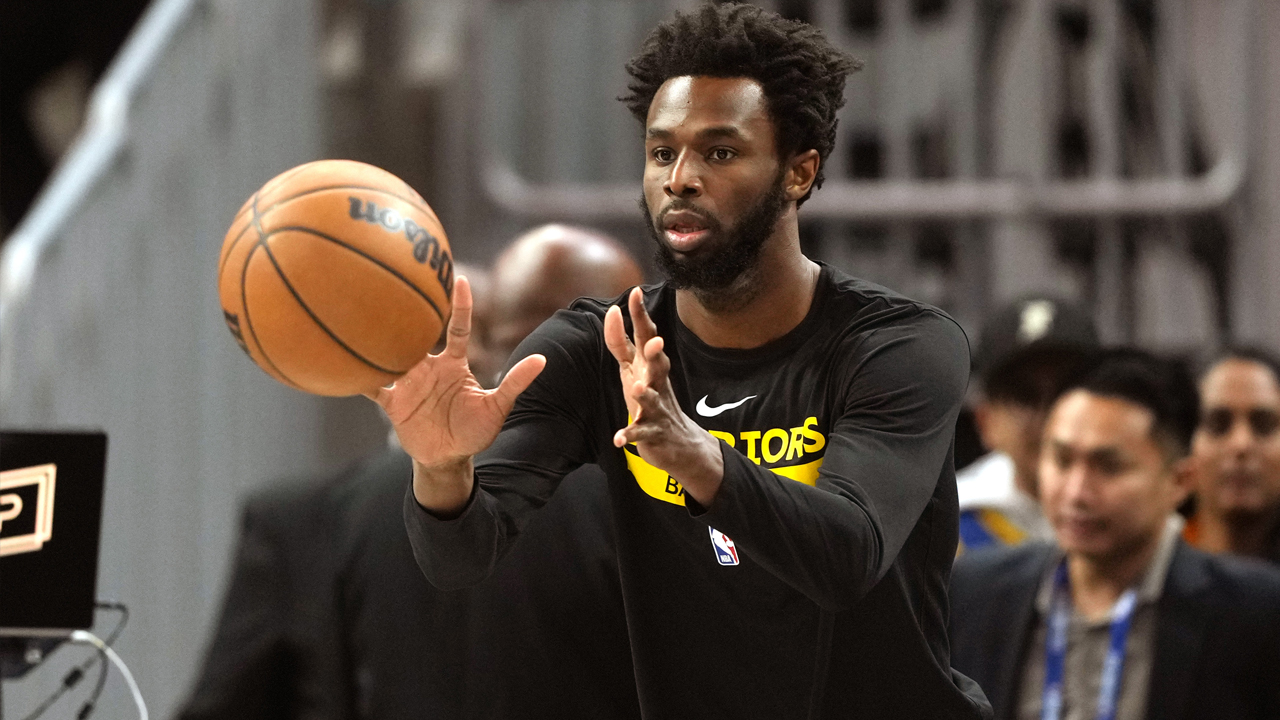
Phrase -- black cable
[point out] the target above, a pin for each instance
(87, 709)
(68, 682)
(76, 674)
(124, 617)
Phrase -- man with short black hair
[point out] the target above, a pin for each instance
(1237, 457)
(776, 435)
(1120, 619)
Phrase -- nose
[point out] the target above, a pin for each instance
(684, 178)
(1241, 436)
(1076, 488)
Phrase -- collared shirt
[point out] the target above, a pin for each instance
(1088, 642)
(993, 510)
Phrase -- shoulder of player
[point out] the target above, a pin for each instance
(865, 307)
(585, 316)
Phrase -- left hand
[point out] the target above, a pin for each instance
(666, 437)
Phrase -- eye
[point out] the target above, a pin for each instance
(664, 155)
(722, 154)
(1217, 422)
(1062, 458)
(1110, 465)
(1263, 422)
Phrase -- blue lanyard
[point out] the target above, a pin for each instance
(1055, 647)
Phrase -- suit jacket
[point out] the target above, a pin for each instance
(1217, 635)
(275, 652)
(328, 616)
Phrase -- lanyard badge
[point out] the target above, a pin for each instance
(1056, 649)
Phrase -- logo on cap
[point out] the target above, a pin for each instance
(1036, 320)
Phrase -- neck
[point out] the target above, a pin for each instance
(764, 304)
(1238, 534)
(1026, 482)
(1098, 582)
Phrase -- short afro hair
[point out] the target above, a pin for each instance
(802, 74)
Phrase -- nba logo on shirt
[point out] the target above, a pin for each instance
(726, 553)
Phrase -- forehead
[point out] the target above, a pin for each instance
(695, 103)
(1237, 381)
(1086, 422)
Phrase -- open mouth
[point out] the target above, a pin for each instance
(684, 230)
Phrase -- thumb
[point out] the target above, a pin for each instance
(517, 380)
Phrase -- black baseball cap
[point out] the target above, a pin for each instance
(1031, 345)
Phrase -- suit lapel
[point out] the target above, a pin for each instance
(1181, 623)
(1017, 616)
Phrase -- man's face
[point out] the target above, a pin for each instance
(713, 185)
(1237, 445)
(1014, 429)
(1106, 485)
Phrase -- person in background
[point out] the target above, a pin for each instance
(1120, 618)
(327, 617)
(1237, 457)
(570, 262)
(1028, 349)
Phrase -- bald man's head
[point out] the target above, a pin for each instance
(546, 269)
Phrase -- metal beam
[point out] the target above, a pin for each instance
(908, 200)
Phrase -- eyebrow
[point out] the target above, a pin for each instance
(1104, 452)
(727, 132)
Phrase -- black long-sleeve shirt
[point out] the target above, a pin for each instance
(815, 584)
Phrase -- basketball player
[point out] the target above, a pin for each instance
(776, 435)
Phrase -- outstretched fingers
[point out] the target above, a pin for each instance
(517, 380)
(615, 337)
(657, 364)
(642, 326)
(459, 332)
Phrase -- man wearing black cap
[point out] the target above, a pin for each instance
(1028, 349)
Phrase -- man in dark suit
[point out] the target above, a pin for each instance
(1119, 618)
(327, 616)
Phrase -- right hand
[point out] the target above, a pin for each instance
(443, 416)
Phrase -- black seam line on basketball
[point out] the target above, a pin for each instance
(236, 241)
(421, 208)
(257, 214)
(251, 209)
(370, 258)
(320, 323)
(244, 306)
(257, 218)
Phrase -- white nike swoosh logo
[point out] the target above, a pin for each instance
(706, 410)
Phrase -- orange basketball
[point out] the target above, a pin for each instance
(335, 277)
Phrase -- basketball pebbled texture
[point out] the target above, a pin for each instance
(335, 277)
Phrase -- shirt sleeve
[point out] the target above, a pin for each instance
(546, 436)
(885, 457)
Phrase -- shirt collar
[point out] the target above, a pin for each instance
(1149, 587)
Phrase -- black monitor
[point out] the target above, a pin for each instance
(51, 487)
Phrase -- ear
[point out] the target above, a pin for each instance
(982, 420)
(802, 170)
(1183, 473)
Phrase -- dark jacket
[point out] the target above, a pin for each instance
(327, 616)
(1217, 643)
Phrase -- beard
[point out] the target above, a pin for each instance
(727, 255)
